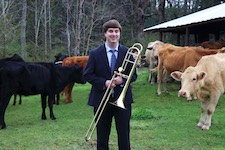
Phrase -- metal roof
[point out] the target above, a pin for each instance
(211, 13)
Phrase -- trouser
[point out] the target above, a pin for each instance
(122, 121)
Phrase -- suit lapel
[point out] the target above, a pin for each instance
(105, 58)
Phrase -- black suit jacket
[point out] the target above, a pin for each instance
(97, 72)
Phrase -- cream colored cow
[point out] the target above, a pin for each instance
(151, 56)
(207, 80)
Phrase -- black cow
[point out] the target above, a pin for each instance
(26, 79)
(58, 61)
(16, 58)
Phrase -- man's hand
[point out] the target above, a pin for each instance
(107, 84)
(118, 80)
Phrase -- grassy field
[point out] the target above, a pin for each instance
(158, 122)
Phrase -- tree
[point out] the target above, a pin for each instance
(162, 11)
(38, 16)
(68, 18)
(76, 50)
(45, 30)
(23, 28)
(140, 13)
(7, 29)
(49, 26)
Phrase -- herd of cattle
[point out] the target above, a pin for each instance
(44, 78)
(196, 67)
(199, 68)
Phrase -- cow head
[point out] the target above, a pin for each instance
(152, 52)
(154, 48)
(59, 57)
(191, 81)
(77, 75)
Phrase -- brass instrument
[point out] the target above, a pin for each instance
(133, 52)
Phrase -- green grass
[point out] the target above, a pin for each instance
(158, 122)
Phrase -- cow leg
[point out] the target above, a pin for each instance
(203, 114)
(50, 105)
(70, 92)
(4, 101)
(57, 99)
(14, 101)
(20, 101)
(152, 71)
(164, 80)
(211, 108)
(152, 78)
(159, 79)
(152, 75)
(66, 89)
(43, 105)
(149, 77)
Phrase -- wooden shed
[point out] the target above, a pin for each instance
(204, 25)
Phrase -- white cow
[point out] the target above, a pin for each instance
(207, 80)
(151, 56)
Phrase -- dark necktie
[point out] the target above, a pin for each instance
(113, 61)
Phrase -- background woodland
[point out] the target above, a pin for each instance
(39, 29)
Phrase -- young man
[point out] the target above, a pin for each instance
(98, 73)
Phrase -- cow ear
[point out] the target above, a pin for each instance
(201, 75)
(176, 75)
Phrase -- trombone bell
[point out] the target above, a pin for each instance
(119, 102)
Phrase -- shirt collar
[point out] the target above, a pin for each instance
(108, 48)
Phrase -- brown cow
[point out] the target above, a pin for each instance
(207, 80)
(177, 58)
(213, 44)
(70, 61)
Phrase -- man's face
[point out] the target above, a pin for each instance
(112, 35)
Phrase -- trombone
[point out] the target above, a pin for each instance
(131, 57)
